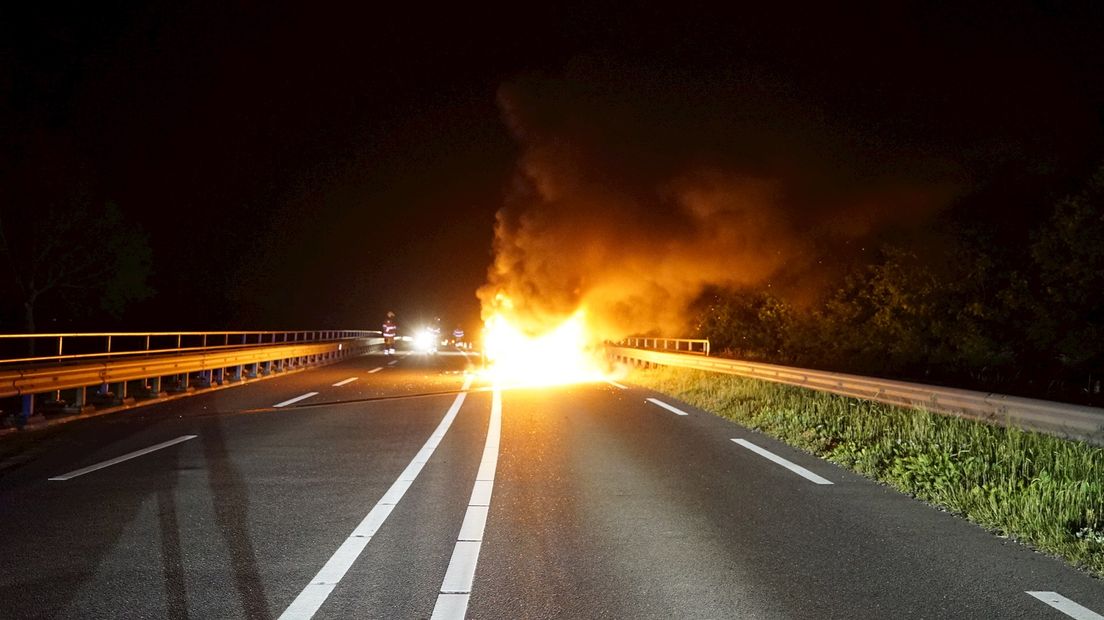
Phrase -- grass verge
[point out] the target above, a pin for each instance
(1041, 490)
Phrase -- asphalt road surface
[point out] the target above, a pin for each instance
(384, 490)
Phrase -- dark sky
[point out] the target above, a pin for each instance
(310, 165)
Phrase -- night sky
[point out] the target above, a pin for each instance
(315, 166)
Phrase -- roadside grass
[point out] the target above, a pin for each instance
(1041, 490)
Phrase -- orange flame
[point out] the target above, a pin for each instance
(558, 356)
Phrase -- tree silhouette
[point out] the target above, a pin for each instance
(1069, 259)
(80, 259)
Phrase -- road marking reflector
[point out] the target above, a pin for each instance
(1066, 606)
(296, 399)
(345, 382)
(795, 468)
(617, 385)
(375, 370)
(311, 598)
(674, 410)
(125, 457)
(452, 602)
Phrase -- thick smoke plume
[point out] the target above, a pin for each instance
(634, 191)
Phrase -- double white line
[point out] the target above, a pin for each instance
(452, 602)
(311, 598)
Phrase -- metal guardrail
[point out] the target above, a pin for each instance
(693, 346)
(115, 344)
(149, 357)
(1059, 419)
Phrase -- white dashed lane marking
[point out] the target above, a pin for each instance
(672, 409)
(795, 468)
(120, 459)
(291, 401)
(345, 382)
(1066, 606)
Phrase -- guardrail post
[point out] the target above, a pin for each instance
(26, 409)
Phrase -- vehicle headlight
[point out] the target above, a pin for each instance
(423, 340)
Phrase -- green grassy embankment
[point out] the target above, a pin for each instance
(1044, 491)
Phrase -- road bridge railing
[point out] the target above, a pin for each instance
(1060, 419)
(692, 346)
(79, 371)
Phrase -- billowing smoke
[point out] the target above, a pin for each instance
(635, 190)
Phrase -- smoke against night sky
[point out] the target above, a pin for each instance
(300, 166)
(635, 190)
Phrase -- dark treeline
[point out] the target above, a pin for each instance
(71, 268)
(962, 304)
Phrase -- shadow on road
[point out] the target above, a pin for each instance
(231, 502)
(176, 599)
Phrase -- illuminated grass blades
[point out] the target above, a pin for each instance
(555, 357)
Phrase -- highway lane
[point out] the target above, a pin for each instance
(604, 505)
(230, 524)
(607, 506)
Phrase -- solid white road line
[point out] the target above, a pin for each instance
(1066, 606)
(674, 410)
(125, 457)
(296, 399)
(797, 469)
(345, 382)
(311, 598)
(617, 385)
(452, 602)
(375, 370)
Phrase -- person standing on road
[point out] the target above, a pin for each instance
(390, 330)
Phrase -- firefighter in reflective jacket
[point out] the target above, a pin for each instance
(390, 330)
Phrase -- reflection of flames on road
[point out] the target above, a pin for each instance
(563, 354)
